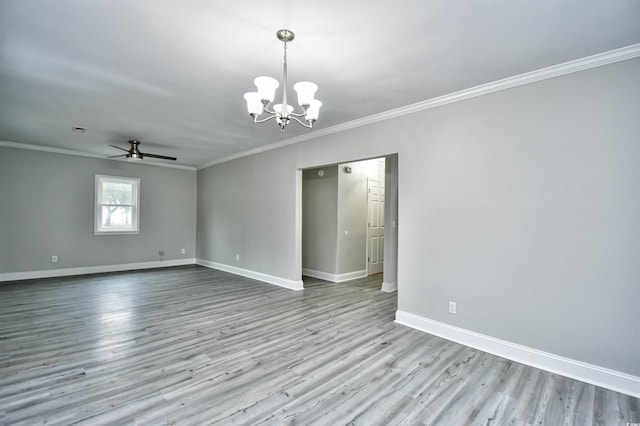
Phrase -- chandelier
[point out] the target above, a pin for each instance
(258, 103)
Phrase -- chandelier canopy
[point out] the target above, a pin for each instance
(258, 103)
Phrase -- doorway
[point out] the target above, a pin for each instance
(351, 223)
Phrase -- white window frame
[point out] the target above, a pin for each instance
(135, 214)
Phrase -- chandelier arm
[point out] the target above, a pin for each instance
(256, 121)
(300, 114)
(307, 125)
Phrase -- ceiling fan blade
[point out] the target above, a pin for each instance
(116, 156)
(164, 157)
(126, 150)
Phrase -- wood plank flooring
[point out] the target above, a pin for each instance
(195, 346)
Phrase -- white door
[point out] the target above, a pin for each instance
(375, 227)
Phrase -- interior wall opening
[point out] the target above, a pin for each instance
(345, 220)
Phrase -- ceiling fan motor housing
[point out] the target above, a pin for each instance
(134, 152)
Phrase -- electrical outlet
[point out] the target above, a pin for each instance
(161, 253)
(54, 259)
(183, 251)
(452, 308)
(237, 258)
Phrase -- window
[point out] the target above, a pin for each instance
(116, 208)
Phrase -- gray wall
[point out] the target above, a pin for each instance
(247, 207)
(522, 206)
(47, 209)
(320, 219)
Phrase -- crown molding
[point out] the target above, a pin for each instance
(598, 60)
(41, 148)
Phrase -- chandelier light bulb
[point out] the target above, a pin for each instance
(254, 105)
(313, 110)
(259, 102)
(266, 87)
(306, 90)
(278, 108)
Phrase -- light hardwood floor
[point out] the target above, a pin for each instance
(195, 346)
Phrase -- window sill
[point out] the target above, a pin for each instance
(116, 232)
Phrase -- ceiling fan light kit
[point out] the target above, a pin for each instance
(258, 103)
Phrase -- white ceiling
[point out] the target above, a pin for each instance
(172, 73)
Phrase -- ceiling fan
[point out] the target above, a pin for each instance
(134, 153)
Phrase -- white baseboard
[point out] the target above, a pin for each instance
(334, 278)
(589, 373)
(319, 274)
(389, 287)
(83, 270)
(351, 276)
(282, 282)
